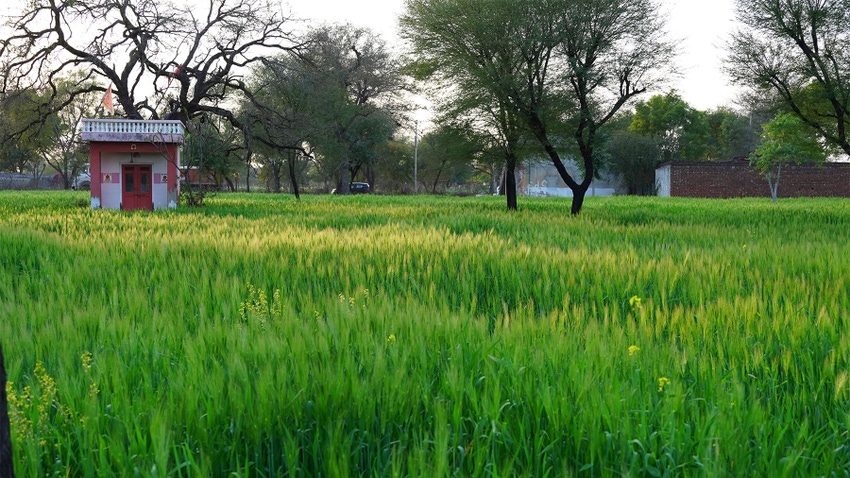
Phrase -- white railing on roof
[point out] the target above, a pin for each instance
(132, 126)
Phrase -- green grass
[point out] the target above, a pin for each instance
(399, 336)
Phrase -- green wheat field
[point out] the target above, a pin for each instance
(427, 336)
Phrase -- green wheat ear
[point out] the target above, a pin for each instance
(427, 336)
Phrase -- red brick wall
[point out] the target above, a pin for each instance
(731, 179)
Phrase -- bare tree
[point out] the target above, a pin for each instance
(161, 59)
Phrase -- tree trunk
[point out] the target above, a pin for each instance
(510, 182)
(6, 468)
(293, 178)
(275, 185)
(248, 154)
(345, 179)
(494, 181)
(437, 179)
(370, 176)
(773, 183)
(578, 200)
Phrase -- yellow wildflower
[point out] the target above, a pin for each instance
(391, 338)
(662, 382)
(635, 302)
(633, 349)
(86, 358)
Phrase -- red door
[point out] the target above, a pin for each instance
(137, 187)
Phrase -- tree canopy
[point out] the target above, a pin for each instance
(337, 100)
(562, 68)
(797, 50)
(785, 140)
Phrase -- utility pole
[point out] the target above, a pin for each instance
(416, 157)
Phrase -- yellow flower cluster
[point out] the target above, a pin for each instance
(86, 359)
(633, 349)
(662, 382)
(635, 302)
(26, 405)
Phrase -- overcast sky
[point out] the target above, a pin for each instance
(702, 26)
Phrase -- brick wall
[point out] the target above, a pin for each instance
(731, 179)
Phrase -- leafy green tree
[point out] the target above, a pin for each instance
(64, 150)
(22, 133)
(797, 50)
(336, 102)
(560, 68)
(394, 167)
(730, 134)
(446, 155)
(679, 130)
(359, 85)
(279, 118)
(631, 157)
(212, 155)
(785, 140)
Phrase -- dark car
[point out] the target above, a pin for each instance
(356, 188)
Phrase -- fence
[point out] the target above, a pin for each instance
(19, 182)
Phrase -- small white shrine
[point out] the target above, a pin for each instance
(134, 164)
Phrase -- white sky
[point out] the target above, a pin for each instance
(702, 25)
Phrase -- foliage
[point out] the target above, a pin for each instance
(19, 142)
(338, 100)
(560, 68)
(211, 158)
(359, 85)
(687, 134)
(679, 129)
(41, 128)
(277, 117)
(446, 156)
(633, 158)
(64, 149)
(428, 336)
(731, 134)
(797, 50)
(785, 140)
(394, 167)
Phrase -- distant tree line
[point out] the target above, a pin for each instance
(511, 81)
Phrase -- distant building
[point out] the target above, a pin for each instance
(541, 179)
(134, 164)
(731, 179)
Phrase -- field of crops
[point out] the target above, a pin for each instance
(378, 336)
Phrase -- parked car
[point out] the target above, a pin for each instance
(356, 188)
(83, 180)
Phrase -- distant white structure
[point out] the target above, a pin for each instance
(662, 180)
(539, 178)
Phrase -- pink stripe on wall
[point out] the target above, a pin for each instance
(107, 178)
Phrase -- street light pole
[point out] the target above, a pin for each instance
(416, 158)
